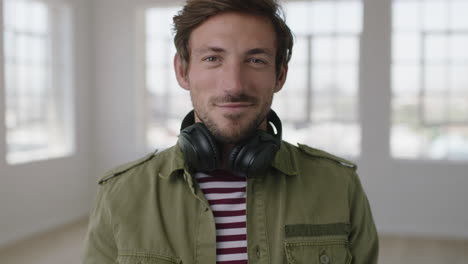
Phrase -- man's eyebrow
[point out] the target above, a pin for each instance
(260, 51)
(209, 49)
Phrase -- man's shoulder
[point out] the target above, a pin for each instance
(321, 168)
(321, 155)
(306, 155)
(132, 182)
(119, 170)
(138, 166)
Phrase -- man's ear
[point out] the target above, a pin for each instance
(281, 78)
(180, 72)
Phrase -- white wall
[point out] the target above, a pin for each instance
(37, 196)
(419, 198)
(116, 91)
(119, 112)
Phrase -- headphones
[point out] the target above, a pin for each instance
(253, 155)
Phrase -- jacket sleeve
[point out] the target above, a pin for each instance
(100, 246)
(364, 242)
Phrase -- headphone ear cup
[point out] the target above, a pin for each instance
(234, 157)
(255, 155)
(199, 148)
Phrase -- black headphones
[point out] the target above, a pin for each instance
(255, 154)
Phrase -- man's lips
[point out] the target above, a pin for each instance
(234, 105)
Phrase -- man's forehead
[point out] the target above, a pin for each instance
(219, 49)
(226, 31)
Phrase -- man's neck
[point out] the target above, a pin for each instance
(225, 152)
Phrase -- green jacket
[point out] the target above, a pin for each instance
(309, 208)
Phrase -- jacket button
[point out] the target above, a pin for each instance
(324, 259)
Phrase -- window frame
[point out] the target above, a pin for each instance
(445, 123)
(57, 99)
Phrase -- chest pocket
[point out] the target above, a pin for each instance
(317, 244)
(145, 258)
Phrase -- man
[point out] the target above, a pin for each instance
(231, 191)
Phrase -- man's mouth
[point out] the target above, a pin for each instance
(238, 101)
(234, 105)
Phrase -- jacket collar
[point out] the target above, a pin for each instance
(174, 162)
(285, 161)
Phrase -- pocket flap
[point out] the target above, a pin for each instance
(128, 257)
(317, 244)
(305, 230)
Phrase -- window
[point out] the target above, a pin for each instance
(37, 80)
(319, 102)
(166, 102)
(430, 79)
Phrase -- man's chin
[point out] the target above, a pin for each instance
(226, 137)
(233, 134)
(231, 129)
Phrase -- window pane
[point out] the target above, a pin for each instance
(346, 97)
(406, 80)
(458, 108)
(407, 48)
(436, 80)
(407, 16)
(298, 16)
(325, 67)
(406, 111)
(347, 50)
(289, 101)
(166, 102)
(37, 126)
(458, 49)
(434, 109)
(349, 15)
(323, 16)
(451, 143)
(459, 94)
(436, 48)
(458, 11)
(323, 49)
(430, 116)
(435, 15)
(37, 17)
(459, 79)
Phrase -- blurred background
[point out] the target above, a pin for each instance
(89, 84)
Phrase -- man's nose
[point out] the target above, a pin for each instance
(233, 79)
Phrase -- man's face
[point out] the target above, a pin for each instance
(231, 74)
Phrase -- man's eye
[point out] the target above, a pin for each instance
(255, 60)
(211, 59)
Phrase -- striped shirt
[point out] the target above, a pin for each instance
(226, 194)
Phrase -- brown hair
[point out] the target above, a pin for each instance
(195, 12)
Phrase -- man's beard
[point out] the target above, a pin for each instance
(237, 133)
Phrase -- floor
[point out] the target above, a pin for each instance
(64, 245)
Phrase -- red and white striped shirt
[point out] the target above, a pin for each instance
(226, 194)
